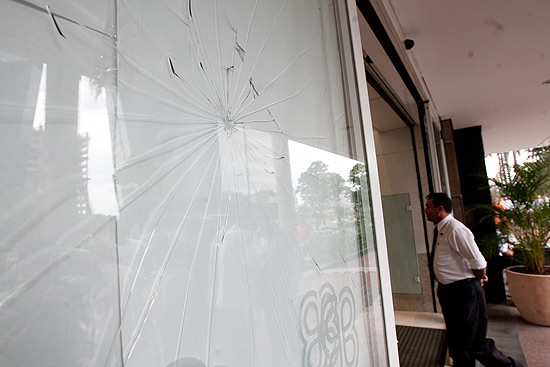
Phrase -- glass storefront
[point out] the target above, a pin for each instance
(183, 184)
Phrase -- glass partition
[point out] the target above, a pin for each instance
(182, 185)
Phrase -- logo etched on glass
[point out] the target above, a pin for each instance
(327, 324)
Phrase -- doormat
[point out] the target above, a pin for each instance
(421, 347)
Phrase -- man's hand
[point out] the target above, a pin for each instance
(484, 279)
(481, 275)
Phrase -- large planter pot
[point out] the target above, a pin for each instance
(531, 295)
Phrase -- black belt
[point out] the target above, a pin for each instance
(458, 282)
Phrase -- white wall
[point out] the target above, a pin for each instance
(398, 175)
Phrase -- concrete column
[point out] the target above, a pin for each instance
(453, 171)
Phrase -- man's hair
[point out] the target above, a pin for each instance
(441, 199)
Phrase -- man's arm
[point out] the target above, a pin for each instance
(467, 248)
(481, 275)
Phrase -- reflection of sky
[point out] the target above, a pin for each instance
(93, 120)
(39, 121)
(301, 157)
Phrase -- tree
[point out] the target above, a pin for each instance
(527, 223)
(320, 189)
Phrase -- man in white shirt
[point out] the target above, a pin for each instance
(459, 268)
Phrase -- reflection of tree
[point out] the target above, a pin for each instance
(320, 190)
(357, 180)
(337, 211)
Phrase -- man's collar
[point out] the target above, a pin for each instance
(443, 221)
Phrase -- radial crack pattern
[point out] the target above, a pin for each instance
(183, 191)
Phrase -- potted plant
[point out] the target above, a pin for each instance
(526, 226)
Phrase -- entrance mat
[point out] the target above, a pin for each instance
(421, 347)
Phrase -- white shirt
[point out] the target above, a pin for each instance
(456, 252)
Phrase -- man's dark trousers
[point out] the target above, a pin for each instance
(465, 311)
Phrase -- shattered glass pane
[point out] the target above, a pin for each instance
(182, 185)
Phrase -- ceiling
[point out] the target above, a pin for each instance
(483, 63)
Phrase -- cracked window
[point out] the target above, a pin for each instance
(183, 184)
